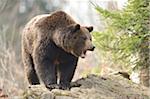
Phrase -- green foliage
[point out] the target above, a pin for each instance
(125, 31)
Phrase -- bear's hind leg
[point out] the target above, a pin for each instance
(45, 68)
(29, 68)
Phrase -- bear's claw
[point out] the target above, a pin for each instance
(52, 86)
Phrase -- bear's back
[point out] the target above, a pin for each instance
(43, 26)
(52, 21)
(47, 23)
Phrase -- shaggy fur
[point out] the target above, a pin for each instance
(51, 46)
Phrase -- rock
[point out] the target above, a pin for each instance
(92, 87)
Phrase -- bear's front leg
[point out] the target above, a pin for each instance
(67, 70)
(45, 68)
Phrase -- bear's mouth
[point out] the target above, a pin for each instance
(83, 54)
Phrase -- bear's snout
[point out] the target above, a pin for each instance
(92, 48)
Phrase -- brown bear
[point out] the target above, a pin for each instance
(51, 46)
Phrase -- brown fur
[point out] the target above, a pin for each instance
(52, 43)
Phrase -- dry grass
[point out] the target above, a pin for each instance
(11, 69)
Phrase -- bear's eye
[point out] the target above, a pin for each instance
(75, 37)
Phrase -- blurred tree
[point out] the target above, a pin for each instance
(127, 36)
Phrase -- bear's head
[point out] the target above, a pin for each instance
(75, 39)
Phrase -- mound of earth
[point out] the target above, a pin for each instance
(92, 87)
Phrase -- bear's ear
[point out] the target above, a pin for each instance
(90, 28)
(76, 27)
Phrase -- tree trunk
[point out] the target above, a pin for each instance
(145, 62)
(144, 77)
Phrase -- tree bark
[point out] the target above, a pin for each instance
(145, 62)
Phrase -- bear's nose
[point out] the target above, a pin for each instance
(92, 49)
